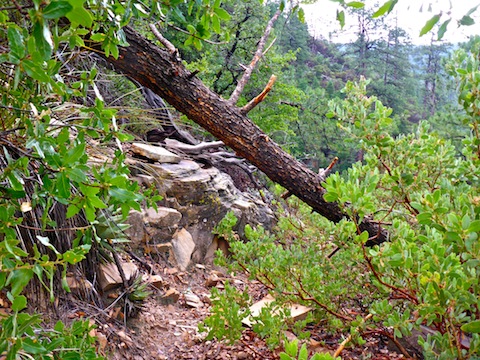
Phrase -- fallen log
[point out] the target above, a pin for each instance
(163, 72)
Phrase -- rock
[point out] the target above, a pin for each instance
(136, 232)
(156, 226)
(212, 280)
(193, 300)
(154, 280)
(77, 285)
(156, 153)
(171, 296)
(158, 248)
(203, 196)
(109, 277)
(183, 246)
(162, 217)
(297, 312)
(217, 243)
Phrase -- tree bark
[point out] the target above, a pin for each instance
(163, 73)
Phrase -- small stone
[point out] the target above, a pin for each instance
(155, 280)
(171, 296)
(193, 300)
(109, 276)
(212, 280)
(183, 246)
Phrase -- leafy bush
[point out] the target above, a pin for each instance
(426, 194)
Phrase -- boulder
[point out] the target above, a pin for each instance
(203, 196)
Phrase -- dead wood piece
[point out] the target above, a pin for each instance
(192, 149)
(258, 54)
(258, 99)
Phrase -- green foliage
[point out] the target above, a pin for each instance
(292, 353)
(22, 337)
(427, 274)
(229, 309)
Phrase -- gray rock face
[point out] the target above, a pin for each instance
(202, 196)
(152, 226)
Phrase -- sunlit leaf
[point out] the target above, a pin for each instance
(18, 279)
(222, 13)
(15, 39)
(472, 327)
(341, 18)
(356, 4)
(385, 8)
(430, 24)
(78, 15)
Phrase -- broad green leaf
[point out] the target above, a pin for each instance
(466, 21)
(19, 303)
(63, 186)
(56, 9)
(443, 29)
(430, 24)
(472, 327)
(96, 202)
(72, 210)
(216, 24)
(33, 346)
(77, 175)
(73, 155)
(15, 40)
(356, 4)
(303, 355)
(222, 14)
(43, 40)
(18, 279)
(474, 226)
(80, 16)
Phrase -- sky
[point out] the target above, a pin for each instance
(410, 14)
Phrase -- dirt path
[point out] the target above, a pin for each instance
(167, 327)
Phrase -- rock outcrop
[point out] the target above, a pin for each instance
(196, 198)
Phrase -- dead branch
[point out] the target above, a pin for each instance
(349, 338)
(323, 173)
(258, 99)
(170, 47)
(193, 149)
(258, 54)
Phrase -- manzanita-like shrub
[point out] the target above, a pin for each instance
(427, 276)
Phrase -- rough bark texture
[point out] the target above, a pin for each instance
(163, 73)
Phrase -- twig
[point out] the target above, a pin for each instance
(349, 338)
(170, 47)
(258, 54)
(323, 173)
(259, 98)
